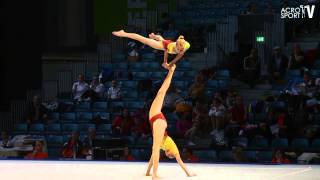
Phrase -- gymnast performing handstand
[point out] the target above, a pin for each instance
(179, 47)
(158, 123)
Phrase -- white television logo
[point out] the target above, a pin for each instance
(298, 12)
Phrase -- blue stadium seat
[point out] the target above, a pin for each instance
(223, 84)
(104, 129)
(55, 141)
(291, 74)
(136, 153)
(118, 57)
(54, 153)
(106, 66)
(184, 65)
(83, 106)
(116, 104)
(130, 95)
(83, 128)
(120, 66)
(315, 73)
(133, 105)
(279, 104)
(240, 141)
(189, 74)
(54, 129)
(144, 142)
(84, 117)
(300, 143)
(105, 117)
(55, 117)
(99, 106)
(212, 84)
(279, 143)
(206, 155)
(226, 156)
(36, 129)
(152, 66)
(129, 84)
(158, 75)
(179, 84)
(21, 128)
(148, 57)
(68, 117)
(171, 129)
(69, 128)
(145, 154)
(251, 155)
(259, 143)
(316, 143)
(264, 156)
(141, 75)
(137, 66)
(223, 74)
(178, 75)
(131, 140)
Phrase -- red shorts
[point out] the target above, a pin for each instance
(165, 43)
(156, 117)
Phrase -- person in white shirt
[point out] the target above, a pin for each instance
(216, 113)
(98, 88)
(114, 91)
(5, 140)
(79, 88)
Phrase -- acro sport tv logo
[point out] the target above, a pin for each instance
(298, 12)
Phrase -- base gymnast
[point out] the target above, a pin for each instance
(158, 123)
(179, 47)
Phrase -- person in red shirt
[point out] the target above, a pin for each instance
(140, 127)
(189, 156)
(238, 111)
(73, 148)
(184, 124)
(122, 124)
(279, 158)
(127, 155)
(37, 152)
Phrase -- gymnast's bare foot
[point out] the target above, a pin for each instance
(165, 65)
(155, 177)
(120, 33)
(153, 36)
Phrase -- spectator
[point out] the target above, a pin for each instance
(79, 88)
(133, 54)
(216, 114)
(98, 88)
(297, 58)
(279, 158)
(36, 111)
(73, 147)
(252, 9)
(188, 156)
(37, 152)
(252, 67)
(140, 127)
(277, 65)
(264, 131)
(5, 140)
(127, 155)
(122, 124)
(196, 90)
(238, 111)
(114, 92)
(171, 99)
(184, 124)
(238, 155)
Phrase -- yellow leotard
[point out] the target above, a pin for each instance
(171, 48)
(168, 144)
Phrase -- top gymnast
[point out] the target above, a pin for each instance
(158, 123)
(158, 42)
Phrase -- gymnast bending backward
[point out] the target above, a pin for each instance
(158, 123)
(179, 47)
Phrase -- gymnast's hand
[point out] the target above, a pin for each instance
(172, 68)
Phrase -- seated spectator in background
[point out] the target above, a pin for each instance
(79, 88)
(196, 90)
(37, 152)
(238, 111)
(252, 9)
(73, 147)
(127, 155)
(238, 155)
(114, 92)
(278, 65)
(308, 86)
(188, 156)
(216, 114)
(98, 88)
(264, 131)
(133, 54)
(171, 99)
(36, 112)
(252, 68)
(230, 99)
(140, 127)
(184, 124)
(5, 140)
(297, 58)
(279, 158)
(122, 124)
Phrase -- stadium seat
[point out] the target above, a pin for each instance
(178, 75)
(105, 117)
(131, 140)
(251, 155)
(99, 106)
(157, 75)
(144, 142)
(184, 65)
(116, 104)
(129, 84)
(316, 143)
(54, 153)
(240, 141)
(291, 74)
(54, 117)
(55, 141)
(212, 84)
(83, 128)
(137, 66)
(189, 75)
(279, 143)
(148, 57)
(179, 84)
(315, 73)
(104, 129)
(223, 84)
(171, 129)
(68, 117)
(83, 106)
(134, 105)
(84, 117)
(20, 128)
(130, 95)
(300, 143)
(69, 128)
(152, 66)
(206, 155)
(118, 57)
(120, 66)
(141, 75)
(226, 156)
(53, 129)
(223, 74)
(264, 156)
(36, 129)
(106, 66)
(259, 143)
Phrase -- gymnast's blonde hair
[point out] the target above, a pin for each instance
(186, 44)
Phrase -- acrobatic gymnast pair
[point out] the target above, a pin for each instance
(161, 139)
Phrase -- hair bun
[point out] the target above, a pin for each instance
(181, 37)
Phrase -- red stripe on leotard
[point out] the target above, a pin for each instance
(166, 43)
(156, 117)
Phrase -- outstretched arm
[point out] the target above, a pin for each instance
(176, 59)
(183, 166)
